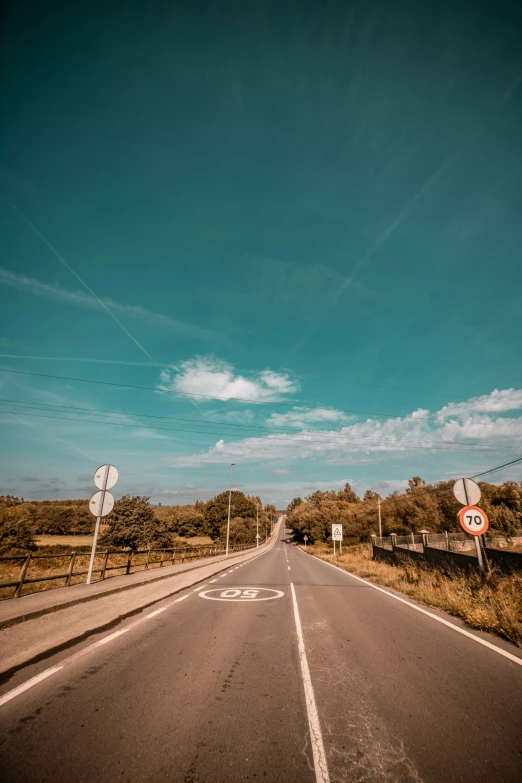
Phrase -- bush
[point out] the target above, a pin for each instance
(15, 536)
(133, 525)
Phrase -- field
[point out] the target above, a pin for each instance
(493, 605)
(72, 541)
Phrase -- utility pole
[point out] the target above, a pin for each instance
(229, 505)
(380, 524)
(257, 524)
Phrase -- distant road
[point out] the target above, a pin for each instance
(331, 681)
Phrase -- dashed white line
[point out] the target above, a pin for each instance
(48, 672)
(316, 737)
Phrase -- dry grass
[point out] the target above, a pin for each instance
(493, 605)
(71, 541)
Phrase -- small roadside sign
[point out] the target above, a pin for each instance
(112, 476)
(473, 520)
(467, 491)
(106, 506)
(337, 532)
(305, 537)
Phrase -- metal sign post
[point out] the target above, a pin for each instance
(305, 539)
(101, 504)
(472, 518)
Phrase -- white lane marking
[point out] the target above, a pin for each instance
(212, 581)
(158, 611)
(289, 568)
(316, 737)
(54, 669)
(483, 642)
(115, 635)
(48, 672)
(29, 684)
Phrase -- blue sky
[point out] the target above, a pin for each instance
(297, 226)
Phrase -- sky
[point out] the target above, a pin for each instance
(284, 235)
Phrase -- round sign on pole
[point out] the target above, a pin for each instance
(112, 478)
(108, 504)
(466, 491)
(473, 520)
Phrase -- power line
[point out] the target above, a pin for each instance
(249, 427)
(215, 397)
(492, 470)
(292, 438)
(436, 490)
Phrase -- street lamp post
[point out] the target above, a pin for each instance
(229, 505)
(257, 524)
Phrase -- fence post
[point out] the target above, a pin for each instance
(23, 572)
(424, 534)
(127, 570)
(162, 556)
(393, 537)
(104, 567)
(147, 559)
(447, 539)
(70, 570)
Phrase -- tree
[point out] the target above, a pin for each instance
(133, 525)
(293, 505)
(216, 511)
(415, 483)
(371, 497)
(348, 495)
(15, 535)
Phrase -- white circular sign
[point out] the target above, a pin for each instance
(241, 594)
(466, 485)
(112, 478)
(108, 504)
(473, 520)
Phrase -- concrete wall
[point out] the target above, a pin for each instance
(451, 562)
(507, 562)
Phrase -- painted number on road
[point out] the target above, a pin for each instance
(473, 520)
(241, 594)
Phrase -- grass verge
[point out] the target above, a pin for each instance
(493, 605)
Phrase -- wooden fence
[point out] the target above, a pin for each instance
(43, 569)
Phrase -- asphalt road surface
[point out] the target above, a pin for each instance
(215, 691)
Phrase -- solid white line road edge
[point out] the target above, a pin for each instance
(477, 639)
(316, 737)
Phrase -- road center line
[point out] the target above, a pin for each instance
(316, 737)
(477, 639)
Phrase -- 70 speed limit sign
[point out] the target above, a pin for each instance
(473, 520)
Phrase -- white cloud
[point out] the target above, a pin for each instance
(495, 402)
(301, 417)
(414, 433)
(207, 376)
(282, 472)
(78, 299)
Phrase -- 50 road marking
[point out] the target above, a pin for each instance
(241, 594)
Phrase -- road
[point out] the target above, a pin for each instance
(214, 691)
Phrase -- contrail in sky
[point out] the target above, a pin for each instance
(62, 260)
(376, 246)
(18, 417)
(400, 218)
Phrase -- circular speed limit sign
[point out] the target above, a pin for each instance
(473, 520)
